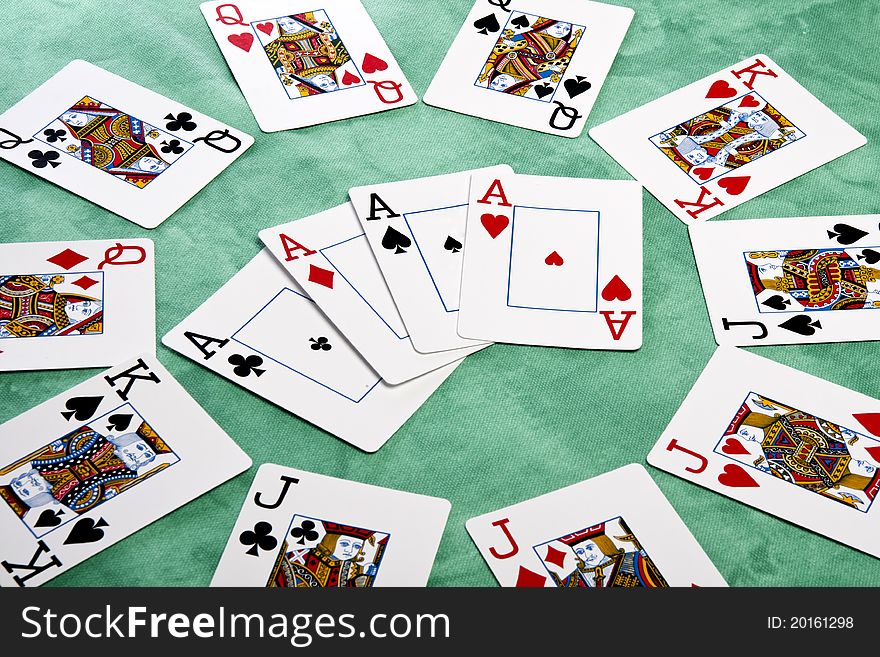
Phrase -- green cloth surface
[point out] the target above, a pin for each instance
(512, 422)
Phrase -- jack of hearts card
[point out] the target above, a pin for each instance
(782, 441)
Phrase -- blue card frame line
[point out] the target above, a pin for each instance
(323, 251)
(77, 516)
(362, 83)
(421, 254)
(700, 183)
(103, 300)
(598, 260)
(543, 101)
(42, 130)
(802, 310)
(717, 449)
(285, 365)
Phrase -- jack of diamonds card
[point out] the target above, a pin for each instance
(300, 63)
(117, 144)
(782, 441)
(791, 281)
(535, 65)
(75, 304)
(616, 530)
(553, 262)
(96, 464)
(727, 138)
(298, 529)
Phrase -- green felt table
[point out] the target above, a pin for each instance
(512, 422)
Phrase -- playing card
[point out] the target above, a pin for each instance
(75, 304)
(123, 147)
(299, 63)
(725, 139)
(96, 464)
(782, 441)
(263, 332)
(303, 530)
(554, 262)
(791, 281)
(329, 256)
(536, 64)
(416, 230)
(615, 530)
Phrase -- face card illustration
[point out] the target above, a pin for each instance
(725, 139)
(791, 281)
(530, 57)
(416, 230)
(782, 441)
(280, 346)
(323, 554)
(300, 63)
(536, 65)
(303, 530)
(96, 464)
(329, 256)
(554, 262)
(307, 54)
(116, 144)
(613, 531)
(75, 304)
